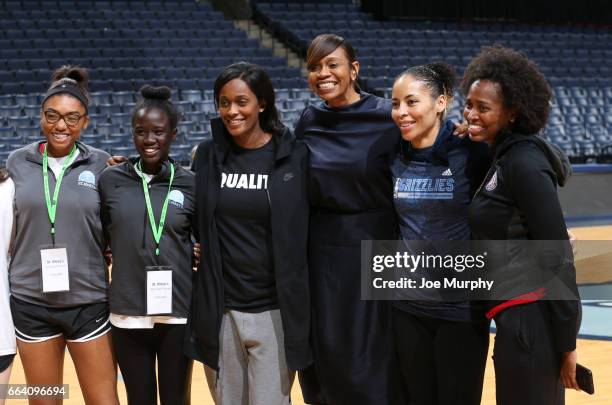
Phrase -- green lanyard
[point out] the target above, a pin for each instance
(52, 204)
(157, 230)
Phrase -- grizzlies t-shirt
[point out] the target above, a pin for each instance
(243, 222)
(431, 199)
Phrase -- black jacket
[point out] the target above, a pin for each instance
(518, 202)
(288, 200)
(127, 227)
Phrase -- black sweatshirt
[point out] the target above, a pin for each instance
(518, 201)
(126, 223)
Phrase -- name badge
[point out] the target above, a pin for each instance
(159, 290)
(54, 265)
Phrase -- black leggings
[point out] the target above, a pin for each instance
(442, 362)
(527, 365)
(137, 350)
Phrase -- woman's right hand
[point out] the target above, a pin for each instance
(115, 160)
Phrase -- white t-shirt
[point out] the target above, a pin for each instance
(55, 164)
(143, 322)
(7, 331)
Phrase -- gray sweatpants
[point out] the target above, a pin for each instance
(252, 363)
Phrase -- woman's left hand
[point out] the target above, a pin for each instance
(461, 129)
(108, 257)
(568, 370)
(196, 256)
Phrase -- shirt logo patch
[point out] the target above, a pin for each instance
(288, 176)
(447, 172)
(424, 188)
(176, 198)
(87, 179)
(492, 184)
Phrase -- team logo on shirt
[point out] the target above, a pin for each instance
(245, 181)
(176, 198)
(492, 184)
(87, 179)
(424, 188)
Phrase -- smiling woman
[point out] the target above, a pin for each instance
(427, 331)
(507, 104)
(59, 221)
(250, 316)
(158, 250)
(333, 70)
(352, 141)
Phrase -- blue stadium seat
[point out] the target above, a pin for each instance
(122, 85)
(121, 119)
(105, 129)
(191, 95)
(108, 109)
(122, 98)
(32, 132)
(186, 84)
(11, 87)
(32, 110)
(196, 116)
(10, 111)
(19, 121)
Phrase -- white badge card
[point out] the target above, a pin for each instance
(159, 292)
(54, 265)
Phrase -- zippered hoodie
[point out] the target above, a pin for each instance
(518, 201)
(288, 200)
(77, 227)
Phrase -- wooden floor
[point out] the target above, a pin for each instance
(595, 354)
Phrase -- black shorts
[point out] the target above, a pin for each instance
(37, 323)
(6, 361)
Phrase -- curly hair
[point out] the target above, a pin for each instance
(523, 86)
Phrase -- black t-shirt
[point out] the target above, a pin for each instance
(243, 221)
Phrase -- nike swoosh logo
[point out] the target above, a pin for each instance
(288, 176)
(98, 320)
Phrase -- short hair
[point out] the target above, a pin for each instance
(260, 84)
(323, 45)
(523, 86)
(157, 97)
(438, 77)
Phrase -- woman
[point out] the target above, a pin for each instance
(58, 277)
(507, 104)
(427, 332)
(250, 312)
(7, 331)
(147, 209)
(352, 142)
